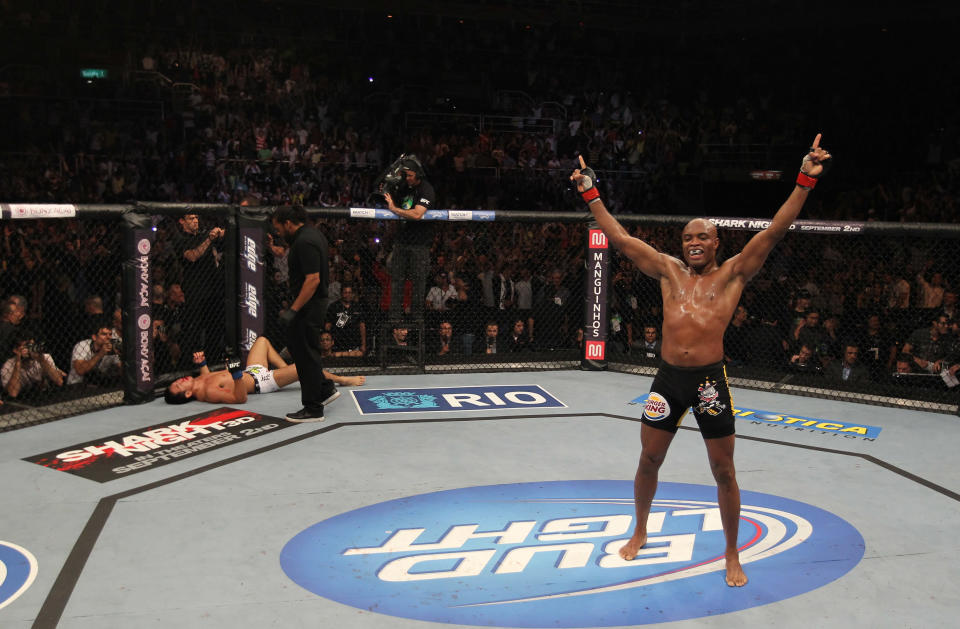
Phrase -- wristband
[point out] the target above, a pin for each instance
(805, 181)
(236, 374)
(590, 195)
(202, 364)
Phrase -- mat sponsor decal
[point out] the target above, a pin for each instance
(546, 555)
(127, 453)
(18, 569)
(836, 428)
(481, 398)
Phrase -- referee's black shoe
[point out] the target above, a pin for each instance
(306, 415)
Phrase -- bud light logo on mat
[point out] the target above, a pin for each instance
(18, 569)
(545, 555)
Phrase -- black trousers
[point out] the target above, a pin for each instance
(303, 341)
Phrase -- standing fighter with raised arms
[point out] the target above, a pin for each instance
(699, 297)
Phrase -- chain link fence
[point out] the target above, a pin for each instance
(101, 313)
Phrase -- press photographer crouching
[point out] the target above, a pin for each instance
(29, 370)
(96, 360)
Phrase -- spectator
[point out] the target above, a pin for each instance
(399, 337)
(517, 340)
(505, 295)
(94, 360)
(737, 341)
(552, 312)
(327, 343)
(931, 293)
(30, 369)
(347, 322)
(812, 334)
(202, 287)
(649, 346)
(805, 361)
(949, 308)
(487, 344)
(927, 347)
(850, 369)
(11, 319)
(878, 348)
(444, 342)
(439, 298)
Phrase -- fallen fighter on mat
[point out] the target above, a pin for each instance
(231, 385)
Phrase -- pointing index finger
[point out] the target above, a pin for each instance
(583, 164)
(816, 141)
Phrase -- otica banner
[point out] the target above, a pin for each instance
(546, 555)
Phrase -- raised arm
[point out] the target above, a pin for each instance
(650, 261)
(749, 261)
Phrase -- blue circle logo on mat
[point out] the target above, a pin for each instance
(546, 555)
(18, 569)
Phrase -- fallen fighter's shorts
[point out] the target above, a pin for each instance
(704, 389)
(263, 380)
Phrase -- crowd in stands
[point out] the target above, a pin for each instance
(290, 121)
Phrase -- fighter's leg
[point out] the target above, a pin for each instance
(720, 454)
(345, 381)
(654, 443)
(285, 375)
(258, 352)
(274, 359)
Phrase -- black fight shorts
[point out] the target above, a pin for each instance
(704, 389)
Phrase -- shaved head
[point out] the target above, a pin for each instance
(698, 225)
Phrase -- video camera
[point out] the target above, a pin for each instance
(392, 178)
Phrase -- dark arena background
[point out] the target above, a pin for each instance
(122, 119)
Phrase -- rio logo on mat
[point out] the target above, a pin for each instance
(481, 398)
(545, 555)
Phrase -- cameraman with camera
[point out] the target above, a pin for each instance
(96, 360)
(409, 196)
(29, 369)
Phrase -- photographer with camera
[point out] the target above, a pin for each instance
(96, 360)
(409, 195)
(29, 369)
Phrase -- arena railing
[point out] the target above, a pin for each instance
(593, 319)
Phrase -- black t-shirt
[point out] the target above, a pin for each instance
(199, 277)
(309, 254)
(415, 232)
(345, 324)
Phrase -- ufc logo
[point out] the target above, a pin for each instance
(598, 240)
(595, 349)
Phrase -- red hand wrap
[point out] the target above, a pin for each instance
(590, 195)
(805, 181)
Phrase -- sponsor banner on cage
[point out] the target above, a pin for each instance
(480, 398)
(430, 215)
(139, 356)
(546, 554)
(41, 210)
(127, 453)
(251, 286)
(802, 225)
(595, 311)
(837, 428)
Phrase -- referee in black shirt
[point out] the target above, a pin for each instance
(304, 319)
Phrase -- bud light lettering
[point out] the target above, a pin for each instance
(546, 554)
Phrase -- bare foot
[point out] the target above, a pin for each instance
(736, 577)
(354, 381)
(631, 548)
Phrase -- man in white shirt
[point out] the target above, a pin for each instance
(95, 359)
